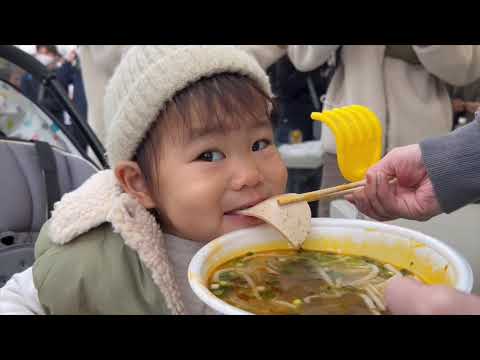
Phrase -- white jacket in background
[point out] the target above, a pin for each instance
(98, 63)
(266, 55)
(411, 100)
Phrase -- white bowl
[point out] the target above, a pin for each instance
(429, 258)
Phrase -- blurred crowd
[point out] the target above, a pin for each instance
(416, 90)
(67, 70)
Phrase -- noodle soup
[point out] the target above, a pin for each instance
(304, 282)
(348, 252)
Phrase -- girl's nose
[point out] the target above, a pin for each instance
(246, 174)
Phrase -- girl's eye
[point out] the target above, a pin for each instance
(211, 156)
(260, 145)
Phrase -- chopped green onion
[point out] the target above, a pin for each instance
(218, 292)
(267, 294)
(226, 276)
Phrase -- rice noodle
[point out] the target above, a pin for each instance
(376, 290)
(271, 270)
(392, 269)
(371, 292)
(272, 266)
(355, 271)
(366, 278)
(379, 288)
(251, 283)
(308, 299)
(284, 303)
(369, 303)
(325, 276)
(334, 261)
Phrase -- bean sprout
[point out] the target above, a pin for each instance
(325, 276)
(308, 299)
(392, 269)
(284, 303)
(374, 297)
(369, 303)
(365, 279)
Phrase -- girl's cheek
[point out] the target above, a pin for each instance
(278, 175)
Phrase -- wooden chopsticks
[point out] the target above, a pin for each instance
(323, 194)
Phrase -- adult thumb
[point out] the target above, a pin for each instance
(402, 295)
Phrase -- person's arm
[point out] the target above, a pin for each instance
(439, 175)
(456, 64)
(19, 296)
(472, 106)
(310, 57)
(453, 165)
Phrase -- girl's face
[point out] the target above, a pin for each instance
(204, 177)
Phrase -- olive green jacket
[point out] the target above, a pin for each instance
(103, 253)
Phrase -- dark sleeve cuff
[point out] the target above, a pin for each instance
(453, 165)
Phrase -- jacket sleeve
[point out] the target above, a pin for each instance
(19, 296)
(453, 165)
(310, 57)
(456, 64)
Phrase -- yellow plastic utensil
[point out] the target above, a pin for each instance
(358, 135)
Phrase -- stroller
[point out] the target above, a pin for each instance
(41, 158)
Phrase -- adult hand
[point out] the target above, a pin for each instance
(472, 106)
(405, 296)
(411, 196)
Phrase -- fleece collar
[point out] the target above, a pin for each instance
(100, 199)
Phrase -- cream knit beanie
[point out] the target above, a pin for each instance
(150, 75)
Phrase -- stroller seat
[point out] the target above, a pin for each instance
(33, 176)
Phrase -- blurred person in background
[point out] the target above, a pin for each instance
(405, 85)
(48, 56)
(69, 75)
(465, 102)
(297, 95)
(97, 65)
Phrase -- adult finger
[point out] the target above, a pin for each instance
(387, 197)
(371, 190)
(363, 204)
(402, 295)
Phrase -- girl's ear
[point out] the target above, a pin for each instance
(131, 179)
